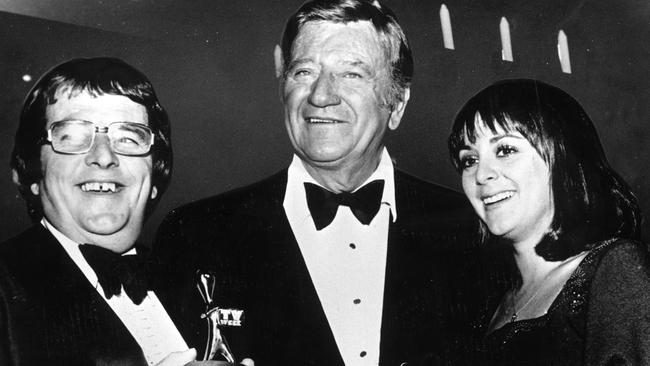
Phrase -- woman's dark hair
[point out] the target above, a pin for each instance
(591, 201)
(97, 76)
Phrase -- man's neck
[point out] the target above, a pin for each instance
(343, 179)
(120, 242)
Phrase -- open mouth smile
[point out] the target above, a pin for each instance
(100, 187)
(501, 196)
(314, 120)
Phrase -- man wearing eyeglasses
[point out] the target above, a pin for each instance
(92, 157)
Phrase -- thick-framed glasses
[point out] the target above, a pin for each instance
(78, 137)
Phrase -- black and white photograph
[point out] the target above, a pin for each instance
(325, 182)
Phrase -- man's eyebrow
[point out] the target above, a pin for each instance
(299, 61)
(355, 62)
(358, 63)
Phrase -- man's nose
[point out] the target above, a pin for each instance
(324, 92)
(486, 170)
(101, 154)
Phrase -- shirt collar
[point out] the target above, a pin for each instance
(297, 175)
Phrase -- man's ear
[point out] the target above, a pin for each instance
(34, 187)
(279, 64)
(398, 109)
(15, 177)
(154, 192)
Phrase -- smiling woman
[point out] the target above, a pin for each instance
(534, 170)
(507, 182)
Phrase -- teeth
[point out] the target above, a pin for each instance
(320, 120)
(498, 197)
(99, 187)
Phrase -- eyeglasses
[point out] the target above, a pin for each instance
(78, 136)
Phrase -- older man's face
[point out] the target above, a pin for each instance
(334, 91)
(98, 197)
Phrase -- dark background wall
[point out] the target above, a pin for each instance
(211, 63)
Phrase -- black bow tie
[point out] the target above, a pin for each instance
(114, 271)
(364, 203)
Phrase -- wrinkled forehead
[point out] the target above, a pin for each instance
(357, 39)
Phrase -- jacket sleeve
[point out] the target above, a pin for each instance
(618, 317)
(7, 347)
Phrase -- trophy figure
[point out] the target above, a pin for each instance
(216, 346)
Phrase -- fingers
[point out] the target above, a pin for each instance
(178, 358)
(247, 362)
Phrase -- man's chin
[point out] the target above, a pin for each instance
(323, 158)
(117, 238)
(105, 223)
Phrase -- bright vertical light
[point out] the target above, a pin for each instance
(563, 52)
(445, 23)
(506, 45)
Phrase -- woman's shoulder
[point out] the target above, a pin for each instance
(622, 266)
(621, 254)
(618, 319)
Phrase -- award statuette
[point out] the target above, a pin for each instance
(216, 346)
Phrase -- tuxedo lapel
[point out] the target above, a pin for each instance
(397, 298)
(412, 296)
(73, 319)
(304, 335)
(427, 277)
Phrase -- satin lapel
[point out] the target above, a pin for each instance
(66, 278)
(407, 307)
(305, 333)
(394, 288)
(423, 308)
(64, 286)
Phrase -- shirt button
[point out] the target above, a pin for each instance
(363, 354)
(353, 246)
(357, 301)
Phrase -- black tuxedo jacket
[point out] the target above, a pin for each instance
(50, 314)
(244, 236)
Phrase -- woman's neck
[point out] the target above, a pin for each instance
(532, 267)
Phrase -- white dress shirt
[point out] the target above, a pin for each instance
(347, 262)
(148, 322)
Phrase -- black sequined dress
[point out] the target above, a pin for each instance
(600, 317)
